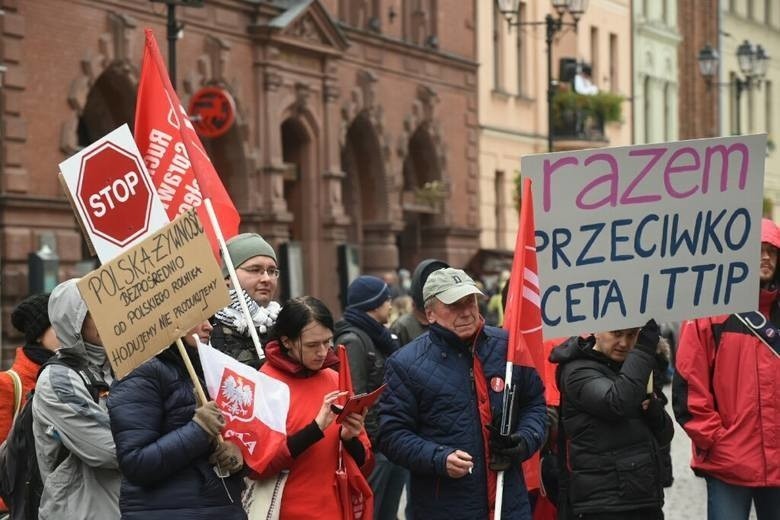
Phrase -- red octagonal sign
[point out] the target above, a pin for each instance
(114, 194)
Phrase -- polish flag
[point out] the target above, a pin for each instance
(254, 405)
(181, 170)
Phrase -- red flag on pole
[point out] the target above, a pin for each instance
(523, 315)
(357, 499)
(179, 165)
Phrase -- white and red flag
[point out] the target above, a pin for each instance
(181, 170)
(255, 405)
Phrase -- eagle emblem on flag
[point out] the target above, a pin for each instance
(236, 395)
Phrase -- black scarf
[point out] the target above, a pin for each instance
(379, 334)
(37, 352)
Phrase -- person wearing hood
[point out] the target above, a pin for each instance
(369, 343)
(610, 428)
(76, 452)
(726, 395)
(300, 354)
(167, 445)
(258, 275)
(31, 318)
(409, 326)
(441, 412)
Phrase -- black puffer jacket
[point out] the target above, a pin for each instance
(612, 445)
(162, 452)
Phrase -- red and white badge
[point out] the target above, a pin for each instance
(497, 384)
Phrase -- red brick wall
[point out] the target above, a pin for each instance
(698, 102)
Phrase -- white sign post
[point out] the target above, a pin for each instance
(669, 231)
(113, 194)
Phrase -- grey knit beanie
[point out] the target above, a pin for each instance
(245, 246)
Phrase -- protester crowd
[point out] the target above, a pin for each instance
(147, 446)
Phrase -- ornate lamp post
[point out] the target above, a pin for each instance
(753, 62)
(553, 24)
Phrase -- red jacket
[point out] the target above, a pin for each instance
(310, 491)
(28, 373)
(727, 397)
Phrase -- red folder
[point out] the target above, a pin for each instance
(358, 402)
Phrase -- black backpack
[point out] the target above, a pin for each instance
(20, 480)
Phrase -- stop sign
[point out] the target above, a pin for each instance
(114, 194)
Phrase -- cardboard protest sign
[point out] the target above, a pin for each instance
(669, 231)
(154, 292)
(112, 194)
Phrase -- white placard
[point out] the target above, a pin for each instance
(669, 231)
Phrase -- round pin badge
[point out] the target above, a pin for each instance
(497, 384)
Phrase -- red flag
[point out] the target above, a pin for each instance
(357, 499)
(345, 376)
(523, 314)
(179, 165)
(254, 404)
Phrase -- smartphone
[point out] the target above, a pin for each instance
(336, 409)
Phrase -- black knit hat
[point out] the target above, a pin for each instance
(420, 276)
(31, 317)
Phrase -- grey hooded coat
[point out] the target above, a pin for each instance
(85, 485)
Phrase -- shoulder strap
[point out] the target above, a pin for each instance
(94, 384)
(18, 389)
(361, 335)
(763, 329)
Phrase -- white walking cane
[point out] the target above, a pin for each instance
(505, 411)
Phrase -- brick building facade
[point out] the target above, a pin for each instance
(356, 123)
(698, 22)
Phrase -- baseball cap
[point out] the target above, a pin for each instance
(449, 285)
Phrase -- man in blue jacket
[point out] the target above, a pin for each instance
(440, 413)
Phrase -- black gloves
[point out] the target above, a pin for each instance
(655, 413)
(649, 335)
(505, 450)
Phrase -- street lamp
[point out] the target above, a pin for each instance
(753, 62)
(575, 8)
(174, 31)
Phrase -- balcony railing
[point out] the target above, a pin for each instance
(581, 117)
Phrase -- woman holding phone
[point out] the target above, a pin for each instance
(300, 354)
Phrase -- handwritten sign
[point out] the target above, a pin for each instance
(156, 291)
(667, 231)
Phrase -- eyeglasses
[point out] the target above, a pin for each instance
(258, 271)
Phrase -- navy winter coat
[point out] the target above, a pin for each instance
(163, 454)
(429, 410)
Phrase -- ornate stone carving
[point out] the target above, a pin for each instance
(302, 93)
(306, 29)
(272, 80)
(114, 49)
